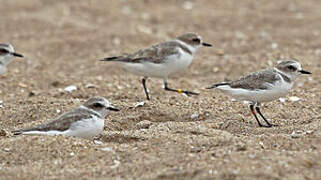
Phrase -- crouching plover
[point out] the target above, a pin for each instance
(162, 60)
(263, 86)
(6, 55)
(85, 121)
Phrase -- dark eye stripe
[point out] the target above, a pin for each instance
(3, 51)
(196, 40)
(292, 68)
(98, 105)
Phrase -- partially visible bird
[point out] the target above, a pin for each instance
(7, 53)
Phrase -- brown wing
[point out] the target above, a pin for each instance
(258, 80)
(62, 122)
(155, 54)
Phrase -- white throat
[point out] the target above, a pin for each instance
(5, 60)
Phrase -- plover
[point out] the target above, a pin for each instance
(263, 86)
(85, 121)
(6, 55)
(162, 60)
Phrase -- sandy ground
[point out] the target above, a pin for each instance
(62, 42)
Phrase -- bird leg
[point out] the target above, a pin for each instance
(254, 114)
(144, 86)
(188, 93)
(267, 122)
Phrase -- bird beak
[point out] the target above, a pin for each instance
(304, 72)
(206, 44)
(17, 55)
(112, 108)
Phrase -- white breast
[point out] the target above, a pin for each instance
(86, 128)
(276, 91)
(178, 63)
(2, 69)
(172, 64)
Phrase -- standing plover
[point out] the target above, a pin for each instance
(263, 86)
(162, 60)
(85, 121)
(6, 55)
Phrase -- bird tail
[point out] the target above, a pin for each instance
(22, 131)
(115, 58)
(18, 132)
(217, 85)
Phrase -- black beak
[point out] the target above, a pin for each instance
(111, 108)
(304, 72)
(206, 44)
(17, 55)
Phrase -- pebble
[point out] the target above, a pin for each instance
(194, 116)
(219, 52)
(34, 93)
(274, 45)
(261, 144)
(295, 135)
(188, 5)
(294, 98)
(115, 165)
(70, 88)
(22, 85)
(91, 86)
(195, 149)
(140, 104)
(309, 132)
(107, 149)
(116, 41)
(98, 142)
(215, 69)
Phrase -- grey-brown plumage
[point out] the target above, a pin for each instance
(160, 52)
(162, 60)
(63, 122)
(263, 86)
(156, 54)
(85, 121)
(257, 80)
(263, 79)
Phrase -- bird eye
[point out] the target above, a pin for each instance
(292, 68)
(197, 40)
(98, 105)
